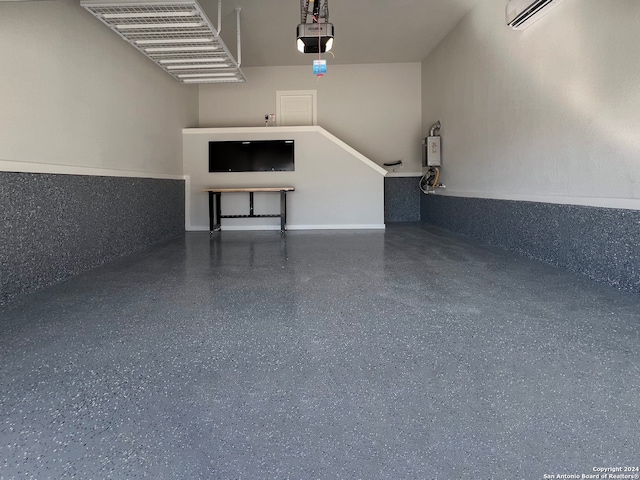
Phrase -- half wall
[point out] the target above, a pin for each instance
(336, 186)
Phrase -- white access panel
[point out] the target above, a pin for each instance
(296, 108)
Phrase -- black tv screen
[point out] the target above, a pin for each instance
(252, 156)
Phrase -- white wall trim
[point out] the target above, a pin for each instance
(337, 227)
(622, 203)
(52, 168)
(220, 130)
(404, 174)
(236, 228)
(289, 227)
(353, 151)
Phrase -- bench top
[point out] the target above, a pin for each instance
(249, 189)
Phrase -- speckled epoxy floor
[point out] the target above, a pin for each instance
(410, 353)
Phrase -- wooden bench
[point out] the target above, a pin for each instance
(215, 216)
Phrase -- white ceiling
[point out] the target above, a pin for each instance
(366, 31)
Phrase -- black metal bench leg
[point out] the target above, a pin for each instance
(218, 211)
(283, 210)
(210, 212)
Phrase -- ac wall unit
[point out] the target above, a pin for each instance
(522, 13)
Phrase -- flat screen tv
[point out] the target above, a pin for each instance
(251, 156)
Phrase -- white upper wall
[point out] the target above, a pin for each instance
(375, 108)
(550, 113)
(73, 93)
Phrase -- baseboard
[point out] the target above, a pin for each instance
(290, 227)
(338, 227)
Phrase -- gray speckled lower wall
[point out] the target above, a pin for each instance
(55, 226)
(602, 243)
(401, 199)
